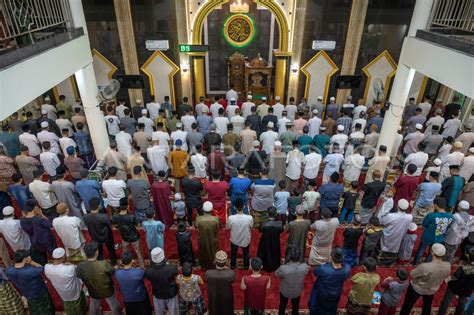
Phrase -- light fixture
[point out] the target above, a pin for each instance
(185, 68)
(294, 68)
(239, 7)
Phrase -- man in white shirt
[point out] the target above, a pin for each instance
(69, 230)
(153, 108)
(147, 122)
(187, 120)
(29, 140)
(63, 278)
(64, 123)
(230, 110)
(278, 108)
(215, 107)
(65, 142)
(311, 163)
(114, 188)
(454, 158)
(314, 123)
(361, 120)
(396, 143)
(425, 106)
(436, 120)
(162, 138)
(332, 162)
(12, 232)
(353, 165)
(43, 193)
(158, 157)
(45, 135)
(340, 138)
(356, 138)
(262, 109)
(451, 126)
(247, 107)
(231, 94)
(294, 161)
(221, 123)
(467, 138)
(124, 142)
(412, 140)
(237, 121)
(359, 109)
(291, 109)
(240, 225)
(179, 134)
(199, 162)
(112, 121)
(282, 123)
(49, 160)
(268, 138)
(120, 109)
(50, 109)
(467, 166)
(200, 106)
(348, 107)
(418, 158)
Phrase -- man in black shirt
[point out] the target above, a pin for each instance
(192, 188)
(126, 224)
(100, 231)
(256, 158)
(372, 192)
(212, 139)
(163, 283)
(254, 120)
(451, 108)
(270, 117)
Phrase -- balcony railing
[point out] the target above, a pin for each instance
(454, 15)
(24, 22)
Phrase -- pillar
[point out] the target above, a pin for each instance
(184, 37)
(355, 29)
(199, 77)
(281, 66)
(87, 84)
(403, 79)
(127, 44)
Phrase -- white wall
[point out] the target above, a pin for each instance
(24, 81)
(447, 66)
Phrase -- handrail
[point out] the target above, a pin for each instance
(26, 21)
(453, 14)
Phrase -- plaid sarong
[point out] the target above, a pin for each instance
(259, 217)
(354, 308)
(41, 305)
(419, 213)
(10, 300)
(77, 307)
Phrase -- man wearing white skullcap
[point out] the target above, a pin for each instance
(46, 135)
(247, 106)
(278, 108)
(231, 107)
(467, 166)
(412, 140)
(314, 123)
(50, 109)
(319, 106)
(262, 109)
(148, 122)
(395, 227)
(340, 138)
(208, 242)
(63, 278)
(332, 108)
(459, 229)
(426, 280)
(12, 232)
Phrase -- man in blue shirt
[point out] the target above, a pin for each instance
(304, 141)
(10, 141)
(452, 186)
(331, 192)
(18, 191)
(204, 122)
(321, 141)
(88, 189)
(26, 276)
(427, 193)
(239, 189)
(131, 285)
(84, 144)
(436, 225)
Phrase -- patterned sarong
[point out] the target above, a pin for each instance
(41, 305)
(419, 213)
(259, 217)
(319, 255)
(10, 300)
(354, 308)
(77, 307)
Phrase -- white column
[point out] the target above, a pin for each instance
(87, 84)
(403, 79)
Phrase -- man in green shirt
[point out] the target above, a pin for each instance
(321, 141)
(62, 105)
(363, 285)
(97, 277)
(287, 138)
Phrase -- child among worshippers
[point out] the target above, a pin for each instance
(392, 292)
(348, 206)
(407, 244)
(179, 208)
(281, 202)
(154, 230)
(255, 288)
(387, 204)
(310, 197)
(373, 232)
(190, 290)
(185, 246)
(350, 247)
(293, 202)
(362, 291)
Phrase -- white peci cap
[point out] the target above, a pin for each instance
(320, 98)
(277, 143)
(58, 253)
(270, 124)
(177, 196)
(438, 249)
(403, 204)
(232, 99)
(8, 210)
(249, 97)
(207, 206)
(157, 255)
(332, 98)
(463, 204)
(256, 143)
(419, 126)
(44, 124)
(340, 128)
(264, 98)
(315, 111)
(144, 111)
(44, 111)
(277, 98)
(437, 162)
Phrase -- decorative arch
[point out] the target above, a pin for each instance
(271, 5)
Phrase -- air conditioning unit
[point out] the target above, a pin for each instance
(157, 44)
(324, 45)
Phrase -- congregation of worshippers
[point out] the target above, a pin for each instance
(237, 205)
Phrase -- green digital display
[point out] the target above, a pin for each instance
(185, 48)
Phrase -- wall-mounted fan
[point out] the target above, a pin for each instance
(108, 92)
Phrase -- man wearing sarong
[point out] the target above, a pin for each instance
(216, 193)
(208, 230)
(324, 231)
(161, 192)
(395, 227)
